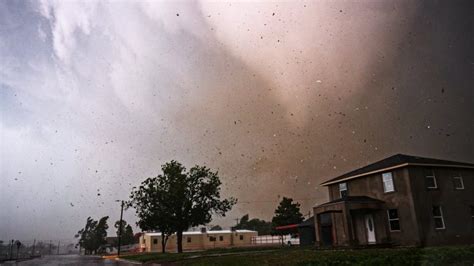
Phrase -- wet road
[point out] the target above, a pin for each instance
(70, 260)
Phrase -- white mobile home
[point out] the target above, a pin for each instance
(200, 240)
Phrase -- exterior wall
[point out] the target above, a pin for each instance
(401, 199)
(200, 241)
(246, 238)
(218, 243)
(360, 231)
(455, 205)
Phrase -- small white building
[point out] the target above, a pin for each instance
(200, 240)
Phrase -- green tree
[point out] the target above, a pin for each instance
(93, 235)
(153, 208)
(127, 237)
(261, 226)
(185, 199)
(287, 213)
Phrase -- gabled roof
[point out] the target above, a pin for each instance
(396, 161)
(307, 223)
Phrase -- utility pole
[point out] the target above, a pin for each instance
(11, 249)
(33, 252)
(120, 229)
(59, 242)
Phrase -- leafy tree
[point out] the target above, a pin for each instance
(153, 208)
(261, 226)
(216, 228)
(93, 235)
(127, 237)
(177, 200)
(287, 213)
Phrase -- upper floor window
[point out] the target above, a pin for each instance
(388, 182)
(430, 179)
(438, 217)
(393, 219)
(343, 190)
(458, 182)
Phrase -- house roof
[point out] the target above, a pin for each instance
(396, 161)
(307, 223)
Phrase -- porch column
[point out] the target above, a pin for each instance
(348, 226)
(317, 228)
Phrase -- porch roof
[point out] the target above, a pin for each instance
(351, 202)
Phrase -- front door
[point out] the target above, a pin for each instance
(370, 227)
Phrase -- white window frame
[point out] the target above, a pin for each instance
(441, 216)
(391, 219)
(462, 182)
(341, 190)
(384, 181)
(434, 180)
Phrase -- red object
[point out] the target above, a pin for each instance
(284, 227)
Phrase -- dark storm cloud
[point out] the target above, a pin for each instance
(277, 96)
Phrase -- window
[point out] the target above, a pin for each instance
(212, 238)
(189, 240)
(438, 217)
(221, 238)
(458, 183)
(388, 182)
(144, 241)
(472, 218)
(343, 190)
(430, 179)
(393, 219)
(155, 241)
(241, 237)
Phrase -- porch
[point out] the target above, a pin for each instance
(351, 221)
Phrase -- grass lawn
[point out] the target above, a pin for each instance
(309, 256)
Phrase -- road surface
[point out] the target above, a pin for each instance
(70, 260)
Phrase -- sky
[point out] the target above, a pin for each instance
(277, 96)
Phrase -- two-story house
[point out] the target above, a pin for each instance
(402, 200)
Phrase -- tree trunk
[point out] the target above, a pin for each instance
(163, 243)
(179, 235)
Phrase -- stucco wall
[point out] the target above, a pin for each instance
(400, 199)
(455, 205)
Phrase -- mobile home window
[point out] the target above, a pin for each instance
(458, 183)
(221, 238)
(430, 179)
(438, 217)
(241, 237)
(343, 190)
(393, 219)
(388, 182)
(189, 240)
(212, 239)
(155, 241)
